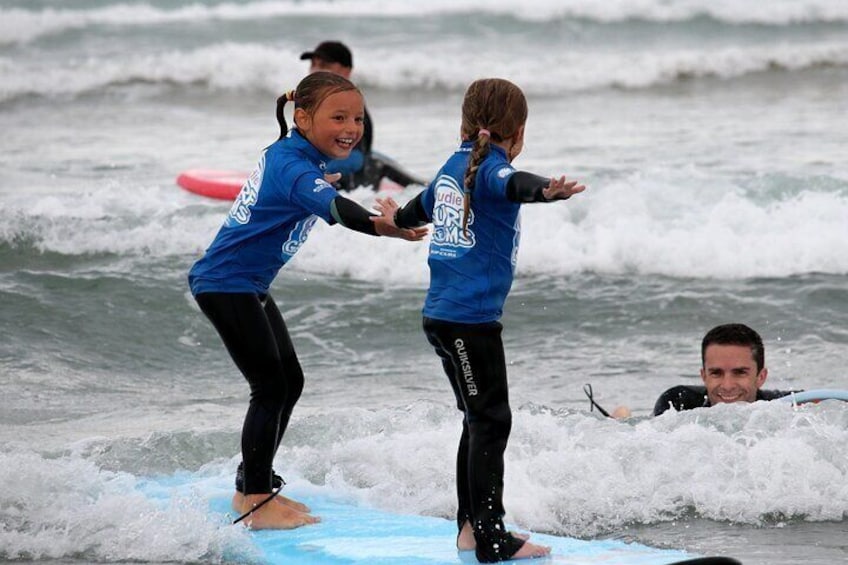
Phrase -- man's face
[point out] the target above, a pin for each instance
(730, 374)
(319, 64)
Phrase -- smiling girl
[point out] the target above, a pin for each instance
(269, 221)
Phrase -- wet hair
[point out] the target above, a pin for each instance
(498, 108)
(310, 93)
(736, 334)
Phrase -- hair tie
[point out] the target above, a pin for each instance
(290, 95)
(484, 131)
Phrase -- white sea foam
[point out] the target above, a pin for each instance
(20, 25)
(622, 227)
(263, 68)
(568, 473)
(575, 474)
(69, 507)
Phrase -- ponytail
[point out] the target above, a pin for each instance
(478, 153)
(281, 114)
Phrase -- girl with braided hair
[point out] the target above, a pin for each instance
(473, 203)
(269, 221)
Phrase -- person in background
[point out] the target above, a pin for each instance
(363, 167)
(268, 223)
(474, 204)
(732, 368)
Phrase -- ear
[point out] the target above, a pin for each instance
(703, 375)
(302, 119)
(761, 378)
(516, 143)
(519, 135)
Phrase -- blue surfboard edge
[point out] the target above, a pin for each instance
(816, 395)
(355, 534)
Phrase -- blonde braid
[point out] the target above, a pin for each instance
(478, 153)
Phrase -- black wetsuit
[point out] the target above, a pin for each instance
(687, 397)
(472, 356)
(257, 339)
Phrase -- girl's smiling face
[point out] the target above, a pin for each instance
(336, 126)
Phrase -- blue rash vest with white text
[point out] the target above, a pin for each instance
(269, 220)
(471, 273)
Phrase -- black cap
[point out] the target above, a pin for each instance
(332, 52)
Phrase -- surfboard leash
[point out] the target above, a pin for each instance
(587, 388)
(260, 505)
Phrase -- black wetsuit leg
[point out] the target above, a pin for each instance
(463, 482)
(291, 365)
(473, 358)
(257, 339)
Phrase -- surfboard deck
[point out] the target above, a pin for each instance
(350, 534)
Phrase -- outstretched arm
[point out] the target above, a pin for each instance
(353, 216)
(412, 215)
(527, 187)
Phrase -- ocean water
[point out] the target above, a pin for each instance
(711, 134)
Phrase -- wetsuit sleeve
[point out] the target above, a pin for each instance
(412, 214)
(681, 398)
(773, 394)
(526, 187)
(351, 215)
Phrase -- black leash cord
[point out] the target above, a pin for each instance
(258, 506)
(587, 388)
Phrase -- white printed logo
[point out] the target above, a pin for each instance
(505, 172)
(297, 236)
(448, 239)
(515, 241)
(247, 197)
(321, 184)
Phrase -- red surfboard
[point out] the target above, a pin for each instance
(385, 175)
(214, 183)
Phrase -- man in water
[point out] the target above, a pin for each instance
(732, 368)
(362, 167)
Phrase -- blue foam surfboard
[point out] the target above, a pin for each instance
(816, 395)
(356, 535)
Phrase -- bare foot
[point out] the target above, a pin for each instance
(274, 515)
(529, 550)
(299, 506)
(465, 540)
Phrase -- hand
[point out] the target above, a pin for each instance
(621, 413)
(332, 178)
(385, 223)
(387, 228)
(560, 188)
(387, 207)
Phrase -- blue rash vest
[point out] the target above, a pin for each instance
(471, 274)
(269, 220)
